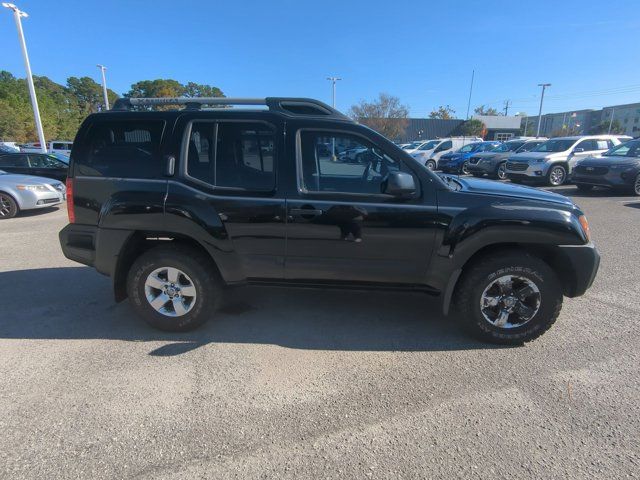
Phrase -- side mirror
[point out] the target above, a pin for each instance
(399, 184)
(578, 150)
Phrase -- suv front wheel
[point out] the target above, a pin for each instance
(557, 175)
(509, 299)
(173, 288)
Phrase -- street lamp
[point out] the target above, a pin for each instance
(17, 16)
(333, 81)
(104, 86)
(544, 86)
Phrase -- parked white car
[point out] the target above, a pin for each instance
(417, 145)
(54, 146)
(553, 161)
(434, 149)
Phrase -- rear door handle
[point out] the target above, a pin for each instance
(305, 212)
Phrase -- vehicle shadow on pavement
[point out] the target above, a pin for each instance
(77, 303)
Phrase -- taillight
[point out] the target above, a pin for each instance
(70, 208)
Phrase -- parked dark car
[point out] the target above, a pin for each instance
(38, 164)
(617, 168)
(176, 205)
(492, 163)
(458, 161)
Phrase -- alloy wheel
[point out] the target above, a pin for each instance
(510, 301)
(170, 292)
(636, 185)
(431, 165)
(5, 206)
(502, 171)
(465, 168)
(557, 176)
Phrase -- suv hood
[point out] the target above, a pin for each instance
(491, 187)
(487, 155)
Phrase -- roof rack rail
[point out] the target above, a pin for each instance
(284, 105)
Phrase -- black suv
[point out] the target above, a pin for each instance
(176, 205)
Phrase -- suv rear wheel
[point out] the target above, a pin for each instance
(173, 288)
(509, 299)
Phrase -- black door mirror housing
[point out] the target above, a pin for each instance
(399, 184)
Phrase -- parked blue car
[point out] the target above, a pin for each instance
(457, 162)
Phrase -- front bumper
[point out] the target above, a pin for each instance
(482, 167)
(612, 179)
(30, 200)
(583, 262)
(526, 170)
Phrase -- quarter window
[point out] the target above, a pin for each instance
(233, 155)
(126, 148)
(13, 161)
(342, 163)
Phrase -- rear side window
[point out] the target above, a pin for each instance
(13, 161)
(125, 148)
(233, 155)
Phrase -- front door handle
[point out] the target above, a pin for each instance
(306, 212)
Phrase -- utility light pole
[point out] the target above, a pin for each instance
(544, 86)
(333, 81)
(104, 86)
(507, 103)
(473, 74)
(611, 119)
(17, 16)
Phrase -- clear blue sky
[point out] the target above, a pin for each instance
(421, 51)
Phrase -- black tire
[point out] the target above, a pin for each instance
(501, 171)
(484, 273)
(8, 206)
(636, 186)
(584, 187)
(557, 175)
(431, 165)
(200, 271)
(464, 170)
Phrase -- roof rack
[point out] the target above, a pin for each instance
(283, 105)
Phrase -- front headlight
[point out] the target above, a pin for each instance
(33, 188)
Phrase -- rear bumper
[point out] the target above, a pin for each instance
(93, 246)
(584, 261)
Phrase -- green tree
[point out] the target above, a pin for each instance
(443, 112)
(192, 89)
(490, 111)
(473, 128)
(386, 115)
(156, 88)
(616, 128)
(89, 94)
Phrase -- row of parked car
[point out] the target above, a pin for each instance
(587, 161)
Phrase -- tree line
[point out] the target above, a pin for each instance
(64, 107)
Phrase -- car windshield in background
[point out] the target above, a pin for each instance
(59, 156)
(507, 147)
(554, 146)
(627, 149)
(472, 147)
(429, 145)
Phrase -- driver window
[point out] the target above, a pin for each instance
(444, 146)
(342, 163)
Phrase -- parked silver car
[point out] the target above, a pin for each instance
(26, 192)
(552, 161)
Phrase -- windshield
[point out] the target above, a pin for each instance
(429, 145)
(556, 145)
(508, 147)
(472, 147)
(59, 156)
(628, 149)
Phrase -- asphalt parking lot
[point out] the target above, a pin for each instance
(313, 384)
